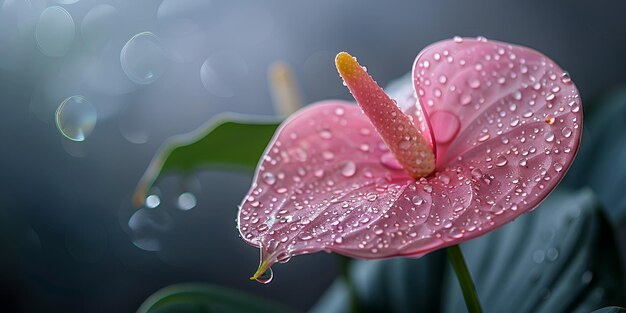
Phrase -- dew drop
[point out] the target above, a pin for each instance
(473, 82)
(517, 95)
(550, 97)
(446, 124)
(348, 169)
(443, 79)
(266, 277)
(76, 118)
(465, 99)
(269, 178)
(558, 167)
(339, 111)
(457, 39)
(565, 78)
(326, 134)
(501, 160)
(566, 131)
(417, 200)
(549, 136)
(390, 161)
(153, 201)
(484, 138)
(328, 155)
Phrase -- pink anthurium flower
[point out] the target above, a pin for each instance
(488, 131)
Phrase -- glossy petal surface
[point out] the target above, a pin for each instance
(328, 183)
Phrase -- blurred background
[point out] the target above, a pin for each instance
(89, 89)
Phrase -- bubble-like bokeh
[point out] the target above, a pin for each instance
(143, 58)
(222, 73)
(66, 1)
(146, 226)
(76, 118)
(55, 31)
(98, 25)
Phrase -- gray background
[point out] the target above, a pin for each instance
(64, 206)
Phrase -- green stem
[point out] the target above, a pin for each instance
(344, 270)
(465, 279)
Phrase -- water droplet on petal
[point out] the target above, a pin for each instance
(446, 125)
(565, 78)
(326, 134)
(390, 161)
(566, 131)
(501, 160)
(558, 167)
(269, 178)
(473, 82)
(457, 39)
(417, 200)
(549, 136)
(348, 169)
(465, 99)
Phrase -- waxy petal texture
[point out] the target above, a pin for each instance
(507, 124)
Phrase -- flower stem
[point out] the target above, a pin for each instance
(465, 279)
(344, 270)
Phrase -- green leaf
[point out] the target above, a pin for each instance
(610, 309)
(600, 161)
(229, 140)
(560, 258)
(204, 298)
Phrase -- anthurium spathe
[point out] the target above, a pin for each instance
(489, 131)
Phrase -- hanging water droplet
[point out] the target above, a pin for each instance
(348, 169)
(266, 277)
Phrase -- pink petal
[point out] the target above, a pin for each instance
(506, 154)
